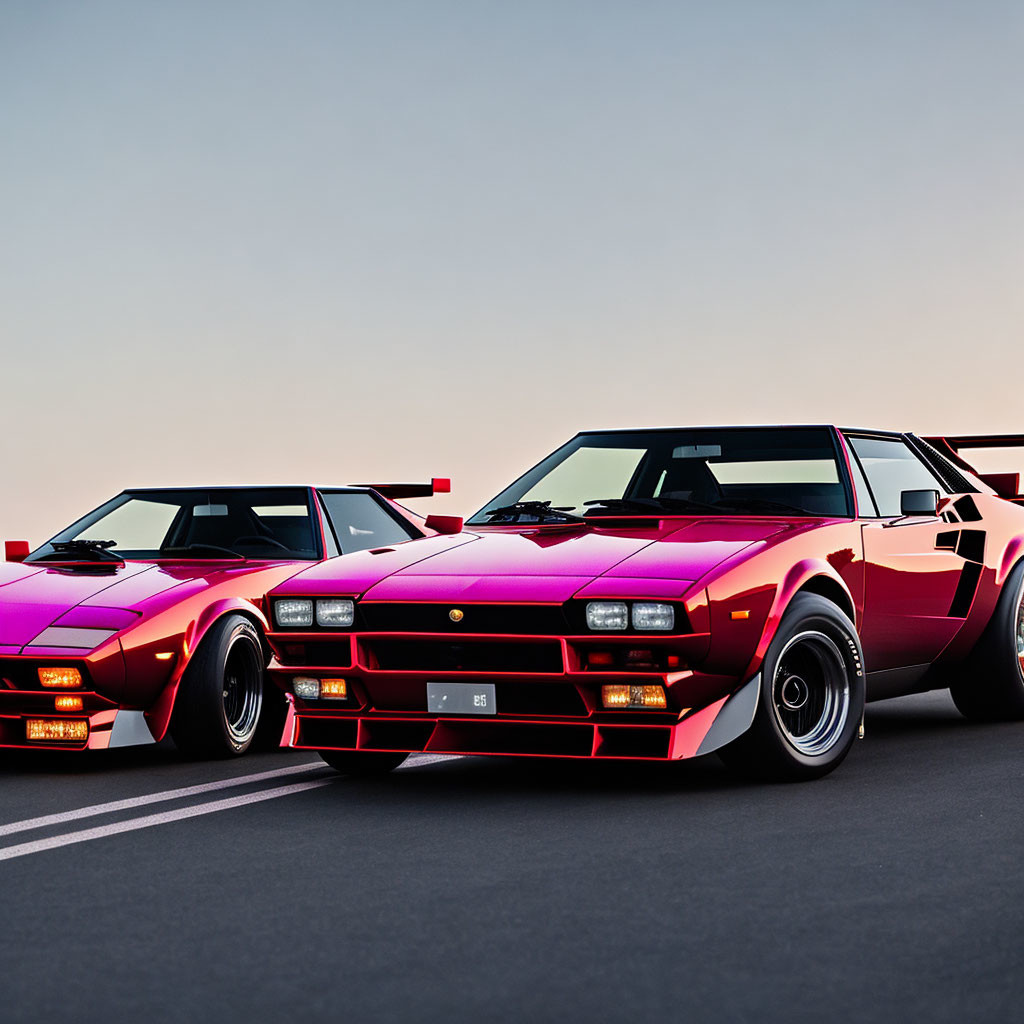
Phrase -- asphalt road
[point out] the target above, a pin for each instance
(508, 890)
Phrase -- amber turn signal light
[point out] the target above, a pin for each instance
(69, 703)
(57, 729)
(60, 678)
(333, 689)
(621, 695)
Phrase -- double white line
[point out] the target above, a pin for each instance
(178, 813)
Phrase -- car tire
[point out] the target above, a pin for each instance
(992, 687)
(358, 762)
(273, 716)
(218, 705)
(811, 701)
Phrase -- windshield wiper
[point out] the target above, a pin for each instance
(541, 509)
(647, 506)
(214, 548)
(763, 505)
(86, 550)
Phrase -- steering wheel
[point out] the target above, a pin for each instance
(256, 539)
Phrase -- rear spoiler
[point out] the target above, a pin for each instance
(1006, 485)
(437, 485)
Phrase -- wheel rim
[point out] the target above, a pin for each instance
(242, 694)
(1020, 633)
(811, 693)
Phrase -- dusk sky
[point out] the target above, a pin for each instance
(332, 241)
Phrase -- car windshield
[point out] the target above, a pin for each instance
(711, 471)
(214, 523)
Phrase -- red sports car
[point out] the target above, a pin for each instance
(660, 594)
(147, 614)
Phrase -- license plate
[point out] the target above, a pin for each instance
(461, 699)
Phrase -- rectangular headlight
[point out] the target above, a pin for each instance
(294, 612)
(653, 615)
(607, 615)
(335, 612)
(307, 689)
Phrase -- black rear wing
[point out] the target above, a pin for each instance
(437, 485)
(1006, 485)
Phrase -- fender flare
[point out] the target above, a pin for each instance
(797, 579)
(737, 714)
(1011, 556)
(158, 717)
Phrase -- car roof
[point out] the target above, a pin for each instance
(743, 426)
(250, 487)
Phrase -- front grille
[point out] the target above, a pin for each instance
(467, 656)
(461, 736)
(316, 652)
(513, 620)
(491, 619)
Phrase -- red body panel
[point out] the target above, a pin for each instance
(920, 591)
(111, 622)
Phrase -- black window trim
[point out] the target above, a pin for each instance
(954, 481)
(855, 460)
(834, 432)
(887, 435)
(129, 492)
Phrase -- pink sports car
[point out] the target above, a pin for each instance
(147, 614)
(661, 594)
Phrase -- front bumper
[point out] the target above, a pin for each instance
(548, 700)
(107, 724)
(315, 730)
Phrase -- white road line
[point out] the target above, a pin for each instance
(149, 820)
(178, 794)
(153, 798)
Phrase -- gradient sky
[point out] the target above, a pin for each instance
(337, 241)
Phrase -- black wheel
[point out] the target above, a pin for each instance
(358, 762)
(217, 709)
(812, 696)
(993, 685)
(273, 715)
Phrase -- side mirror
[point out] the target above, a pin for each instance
(444, 524)
(919, 503)
(16, 550)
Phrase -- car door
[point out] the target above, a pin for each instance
(912, 570)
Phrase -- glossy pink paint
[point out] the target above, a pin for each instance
(136, 610)
(907, 592)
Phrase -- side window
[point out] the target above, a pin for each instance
(331, 549)
(891, 467)
(865, 503)
(360, 522)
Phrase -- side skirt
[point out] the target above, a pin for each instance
(896, 682)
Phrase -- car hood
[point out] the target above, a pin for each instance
(34, 598)
(541, 565)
